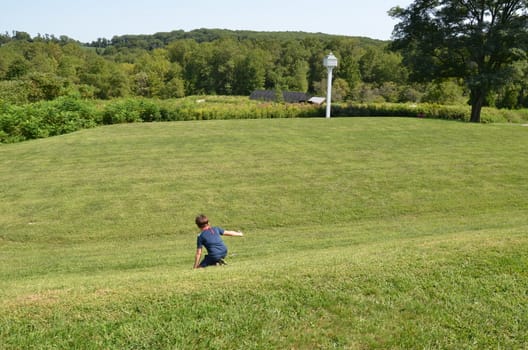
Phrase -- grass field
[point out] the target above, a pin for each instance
(360, 233)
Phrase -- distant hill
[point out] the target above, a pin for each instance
(161, 39)
(198, 62)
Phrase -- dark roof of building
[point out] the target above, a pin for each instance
(287, 96)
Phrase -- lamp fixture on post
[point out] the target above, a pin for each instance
(330, 62)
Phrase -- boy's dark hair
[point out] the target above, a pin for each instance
(201, 221)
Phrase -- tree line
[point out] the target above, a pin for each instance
(221, 62)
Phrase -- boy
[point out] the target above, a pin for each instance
(209, 238)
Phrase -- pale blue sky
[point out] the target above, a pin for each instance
(87, 20)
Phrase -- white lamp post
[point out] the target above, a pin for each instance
(330, 62)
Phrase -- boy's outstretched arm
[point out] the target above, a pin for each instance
(233, 233)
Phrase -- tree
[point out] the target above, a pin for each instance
(476, 40)
(151, 71)
(18, 68)
(104, 76)
(444, 92)
(250, 72)
(515, 94)
(44, 86)
(379, 66)
(174, 86)
(299, 79)
(223, 64)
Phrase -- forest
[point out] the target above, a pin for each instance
(221, 62)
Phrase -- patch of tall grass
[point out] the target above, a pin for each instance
(68, 114)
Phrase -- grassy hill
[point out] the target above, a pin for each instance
(360, 233)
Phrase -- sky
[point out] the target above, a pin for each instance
(88, 20)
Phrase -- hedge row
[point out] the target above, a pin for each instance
(433, 111)
(68, 114)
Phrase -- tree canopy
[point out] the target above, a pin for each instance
(224, 62)
(483, 42)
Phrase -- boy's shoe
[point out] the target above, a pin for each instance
(221, 262)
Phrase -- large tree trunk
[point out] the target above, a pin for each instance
(477, 101)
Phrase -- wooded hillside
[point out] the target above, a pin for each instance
(216, 62)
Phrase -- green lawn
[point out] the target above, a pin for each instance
(360, 233)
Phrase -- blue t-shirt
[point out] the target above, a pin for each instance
(211, 240)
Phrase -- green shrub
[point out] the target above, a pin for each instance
(9, 123)
(149, 110)
(132, 110)
(220, 107)
(403, 110)
(425, 110)
(494, 115)
(121, 111)
(46, 118)
(74, 114)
